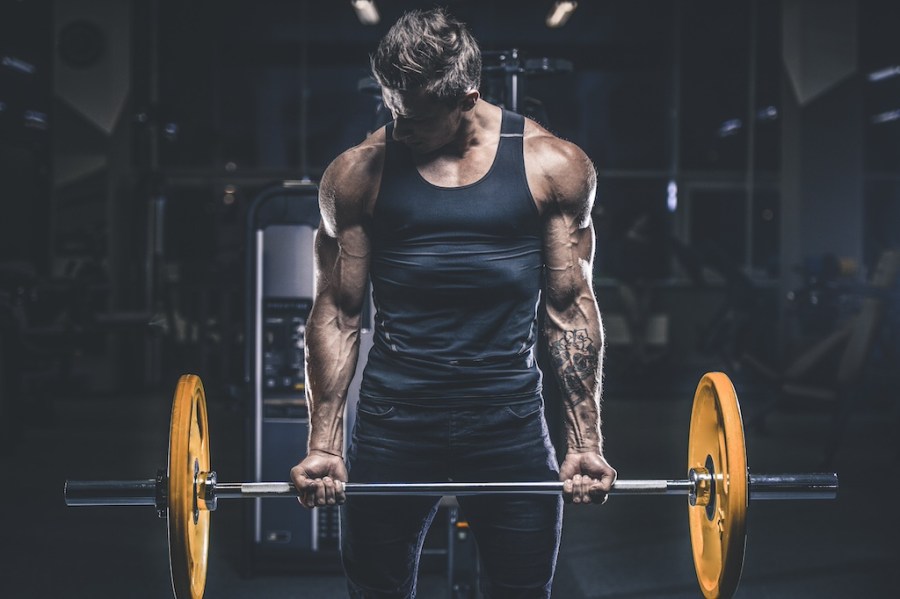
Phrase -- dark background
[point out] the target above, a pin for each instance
(748, 185)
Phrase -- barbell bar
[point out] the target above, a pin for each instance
(719, 487)
(147, 492)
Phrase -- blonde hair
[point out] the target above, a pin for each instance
(431, 51)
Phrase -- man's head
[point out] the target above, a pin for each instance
(429, 51)
(429, 69)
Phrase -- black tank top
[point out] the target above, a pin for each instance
(456, 276)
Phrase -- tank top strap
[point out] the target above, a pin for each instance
(512, 125)
(510, 160)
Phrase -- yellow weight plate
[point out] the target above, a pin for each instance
(188, 456)
(719, 530)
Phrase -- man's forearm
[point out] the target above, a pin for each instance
(332, 350)
(576, 349)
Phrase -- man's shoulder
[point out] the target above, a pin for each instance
(362, 161)
(551, 151)
(558, 170)
(351, 181)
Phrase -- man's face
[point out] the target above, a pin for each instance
(421, 122)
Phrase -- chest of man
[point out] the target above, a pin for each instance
(448, 170)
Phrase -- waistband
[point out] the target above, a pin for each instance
(440, 403)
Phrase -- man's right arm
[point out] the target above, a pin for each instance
(332, 330)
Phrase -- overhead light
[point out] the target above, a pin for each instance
(366, 11)
(17, 64)
(730, 127)
(886, 117)
(768, 113)
(885, 73)
(672, 195)
(35, 119)
(560, 13)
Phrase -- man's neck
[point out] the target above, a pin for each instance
(477, 127)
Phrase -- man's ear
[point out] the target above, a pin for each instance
(469, 100)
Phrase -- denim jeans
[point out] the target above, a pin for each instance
(517, 535)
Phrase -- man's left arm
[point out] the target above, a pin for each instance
(573, 327)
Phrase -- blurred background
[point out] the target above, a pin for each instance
(158, 162)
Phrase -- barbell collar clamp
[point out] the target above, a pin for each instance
(701, 486)
(206, 491)
(162, 494)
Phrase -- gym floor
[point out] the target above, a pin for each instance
(635, 547)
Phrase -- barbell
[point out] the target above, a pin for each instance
(719, 487)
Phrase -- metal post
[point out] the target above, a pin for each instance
(751, 137)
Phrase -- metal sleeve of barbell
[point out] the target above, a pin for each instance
(110, 492)
(793, 486)
(622, 487)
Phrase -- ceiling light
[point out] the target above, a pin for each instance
(560, 13)
(366, 11)
(886, 117)
(885, 73)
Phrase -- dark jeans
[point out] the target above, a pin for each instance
(517, 535)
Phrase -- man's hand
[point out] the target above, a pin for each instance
(587, 477)
(320, 479)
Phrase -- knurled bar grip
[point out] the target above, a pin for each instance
(143, 492)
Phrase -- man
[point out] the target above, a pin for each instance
(462, 214)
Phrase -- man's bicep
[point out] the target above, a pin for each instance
(342, 268)
(568, 254)
(326, 252)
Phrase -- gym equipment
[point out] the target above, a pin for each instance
(718, 487)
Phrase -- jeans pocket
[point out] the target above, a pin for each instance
(523, 411)
(378, 411)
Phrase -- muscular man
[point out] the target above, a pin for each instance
(462, 214)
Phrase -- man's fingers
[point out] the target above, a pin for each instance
(330, 491)
(313, 492)
(320, 492)
(568, 488)
(309, 490)
(310, 494)
(586, 479)
(587, 484)
(599, 491)
(318, 481)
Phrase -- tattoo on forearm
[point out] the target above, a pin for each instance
(576, 358)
